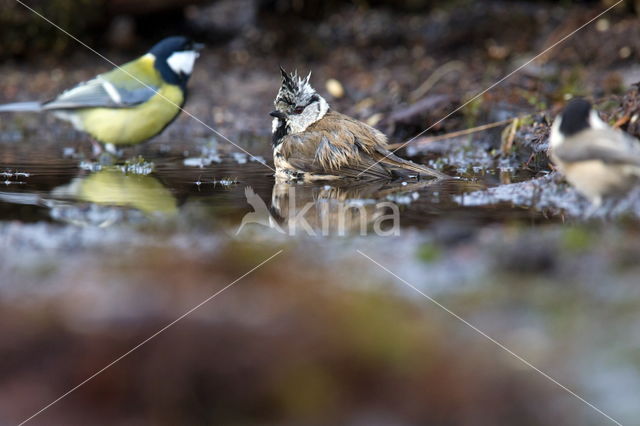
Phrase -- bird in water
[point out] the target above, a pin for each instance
(598, 160)
(130, 104)
(313, 142)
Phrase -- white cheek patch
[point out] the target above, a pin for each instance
(182, 62)
(596, 122)
(298, 124)
(311, 114)
(555, 139)
(274, 125)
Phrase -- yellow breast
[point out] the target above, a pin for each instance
(129, 126)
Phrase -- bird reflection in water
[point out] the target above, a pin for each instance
(341, 208)
(118, 195)
(103, 198)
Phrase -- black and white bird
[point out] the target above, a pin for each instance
(598, 160)
(313, 142)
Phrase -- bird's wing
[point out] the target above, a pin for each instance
(126, 86)
(21, 107)
(324, 153)
(355, 147)
(606, 145)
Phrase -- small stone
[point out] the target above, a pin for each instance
(624, 52)
(374, 119)
(334, 87)
(603, 25)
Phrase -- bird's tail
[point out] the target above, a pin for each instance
(21, 107)
(393, 160)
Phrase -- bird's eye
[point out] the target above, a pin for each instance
(298, 110)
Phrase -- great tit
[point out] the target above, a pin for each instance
(598, 160)
(131, 103)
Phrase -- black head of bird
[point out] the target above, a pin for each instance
(577, 116)
(175, 57)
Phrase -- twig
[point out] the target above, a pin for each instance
(425, 140)
(443, 70)
(428, 139)
(622, 121)
(508, 136)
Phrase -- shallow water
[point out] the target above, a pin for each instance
(37, 182)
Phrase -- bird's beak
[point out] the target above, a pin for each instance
(278, 114)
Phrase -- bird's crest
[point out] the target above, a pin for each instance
(295, 90)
